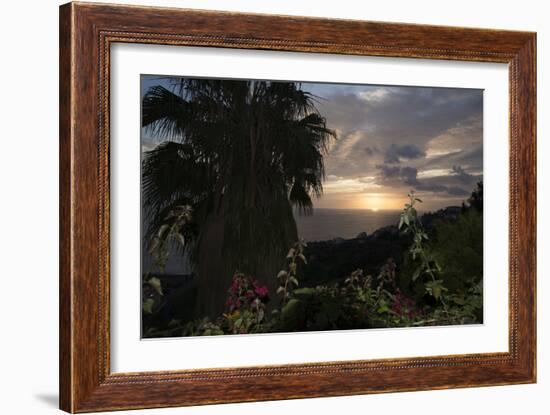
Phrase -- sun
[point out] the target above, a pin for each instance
(373, 201)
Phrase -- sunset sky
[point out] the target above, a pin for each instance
(393, 139)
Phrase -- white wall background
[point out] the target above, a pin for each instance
(28, 206)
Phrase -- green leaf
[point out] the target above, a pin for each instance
(290, 308)
(383, 309)
(179, 237)
(459, 300)
(294, 281)
(155, 283)
(435, 288)
(304, 292)
(416, 274)
(148, 305)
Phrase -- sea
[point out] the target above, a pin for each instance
(323, 225)
(326, 224)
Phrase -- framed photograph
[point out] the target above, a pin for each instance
(258, 207)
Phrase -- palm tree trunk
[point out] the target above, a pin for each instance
(215, 272)
(213, 277)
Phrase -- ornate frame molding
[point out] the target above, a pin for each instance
(87, 32)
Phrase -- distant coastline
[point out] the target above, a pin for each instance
(324, 225)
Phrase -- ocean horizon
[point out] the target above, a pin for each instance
(327, 223)
(323, 225)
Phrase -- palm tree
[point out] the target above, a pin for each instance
(238, 155)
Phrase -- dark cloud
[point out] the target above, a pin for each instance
(428, 186)
(406, 174)
(461, 174)
(409, 118)
(404, 115)
(469, 155)
(391, 175)
(395, 153)
(434, 186)
(371, 151)
(458, 191)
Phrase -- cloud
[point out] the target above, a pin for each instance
(396, 176)
(461, 174)
(407, 174)
(458, 191)
(375, 94)
(395, 153)
(422, 125)
(464, 134)
(371, 151)
(434, 186)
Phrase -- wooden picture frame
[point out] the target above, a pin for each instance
(86, 33)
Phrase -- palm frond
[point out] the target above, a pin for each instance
(172, 171)
(164, 113)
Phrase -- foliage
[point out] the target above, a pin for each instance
(151, 295)
(361, 300)
(246, 305)
(287, 278)
(174, 226)
(458, 248)
(427, 266)
(476, 199)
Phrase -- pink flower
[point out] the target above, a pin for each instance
(404, 306)
(262, 291)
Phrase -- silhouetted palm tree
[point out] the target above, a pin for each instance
(237, 157)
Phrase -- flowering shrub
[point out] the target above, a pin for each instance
(246, 293)
(403, 306)
(245, 305)
(245, 310)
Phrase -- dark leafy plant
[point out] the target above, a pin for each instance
(287, 279)
(427, 266)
